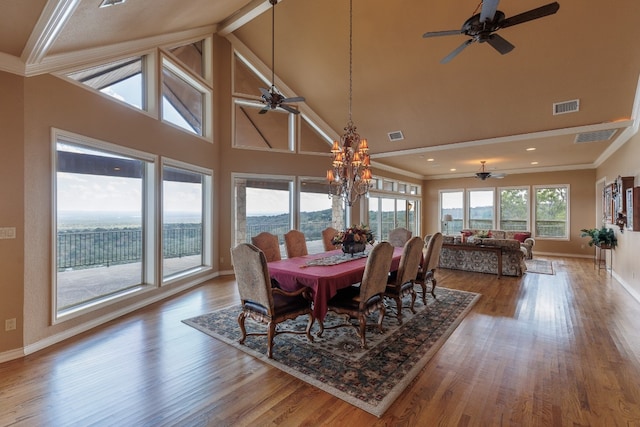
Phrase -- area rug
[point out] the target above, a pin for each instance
(539, 266)
(369, 379)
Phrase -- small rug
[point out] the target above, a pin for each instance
(539, 266)
(369, 379)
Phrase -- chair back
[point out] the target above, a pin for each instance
(399, 236)
(432, 252)
(410, 261)
(376, 272)
(328, 234)
(268, 243)
(252, 275)
(295, 244)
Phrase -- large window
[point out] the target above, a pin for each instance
(105, 229)
(514, 208)
(100, 224)
(552, 211)
(184, 236)
(317, 212)
(481, 209)
(393, 204)
(451, 203)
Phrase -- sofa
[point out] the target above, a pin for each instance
(524, 237)
(458, 255)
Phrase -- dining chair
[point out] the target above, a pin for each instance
(263, 303)
(430, 261)
(357, 302)
(295, 244)
(268, 243)
(401, 283)
(328, 234)
(399, 236)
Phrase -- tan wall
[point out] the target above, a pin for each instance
(53, 102)
(11, 208)
(582, 208)
(624, 162)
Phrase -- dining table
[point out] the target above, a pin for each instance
(324, 273)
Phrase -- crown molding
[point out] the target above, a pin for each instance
(11, 64)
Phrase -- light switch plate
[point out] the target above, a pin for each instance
(7, 232)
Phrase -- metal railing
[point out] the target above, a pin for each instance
(84, 249)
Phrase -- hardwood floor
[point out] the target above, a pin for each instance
(541, 350)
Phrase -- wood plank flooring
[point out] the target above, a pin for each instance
(541, 350)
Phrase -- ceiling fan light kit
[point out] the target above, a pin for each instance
(481, 27)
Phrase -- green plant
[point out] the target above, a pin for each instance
(600, 237)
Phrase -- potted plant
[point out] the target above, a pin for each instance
(604, 237)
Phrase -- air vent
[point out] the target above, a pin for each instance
(396, 136)
(598, 135)
(566, 107)
(107, 3)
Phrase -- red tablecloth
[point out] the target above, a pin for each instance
(325, 281)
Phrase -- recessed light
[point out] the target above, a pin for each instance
(430, 160)
(534, 163)
(453, 169)
(531, 149)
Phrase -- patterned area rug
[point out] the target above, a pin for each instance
(539, 266)
(368, 379)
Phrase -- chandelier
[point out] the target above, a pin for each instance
(350, 175)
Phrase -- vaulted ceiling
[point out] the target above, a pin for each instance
(480, 106)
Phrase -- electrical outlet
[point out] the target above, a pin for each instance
(10, 324)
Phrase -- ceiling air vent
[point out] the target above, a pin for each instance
(107, 3)
(566, 107)
(598, 135)
(396, 136)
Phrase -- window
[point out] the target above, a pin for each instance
(262, 204)
(184, 99)
(122, 80)
(451, 203)
(269, 131)
(393, 204)
(481, 209)
(552, 211)
(185, 198)
(101, 228)
(317, 212)
(514, 209)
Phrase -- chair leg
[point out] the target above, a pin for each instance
(423, 285)
(271, 327)
(381, 313)
(320, 328)
(398, 301)
(433, 286)
(413, 300)
(243, 331)
(362, 321)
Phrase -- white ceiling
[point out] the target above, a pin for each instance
(480, 106)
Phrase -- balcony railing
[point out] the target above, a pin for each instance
(85, 249)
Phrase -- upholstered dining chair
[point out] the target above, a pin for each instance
(399, 236)
(359, 301)
(268, 243)
(328, 234)
(263, 303)
(430, 261)
(401, 283)
(295, 244)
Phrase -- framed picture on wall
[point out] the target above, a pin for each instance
(607, 203)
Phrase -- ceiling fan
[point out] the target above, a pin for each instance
(484, 174)
(482, 26)
(271, 97)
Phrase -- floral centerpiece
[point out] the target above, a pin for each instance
(354, 239)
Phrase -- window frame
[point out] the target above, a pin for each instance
(499, 205)
(534, 208)
(468, 194)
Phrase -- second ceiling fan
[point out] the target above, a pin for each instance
(484, 174)
(481, 27)
(271, 97)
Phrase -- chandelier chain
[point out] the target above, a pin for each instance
(350, 57)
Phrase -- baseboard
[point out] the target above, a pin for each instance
(626, 286)
(54, 339)
(535, 254)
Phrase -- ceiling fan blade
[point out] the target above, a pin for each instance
(294, 99)
(489, 8)
(264, 110)
(289, 109)
(441, 33)
(530, 15)
(456, 51)
(500, 44)
(265, 92)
